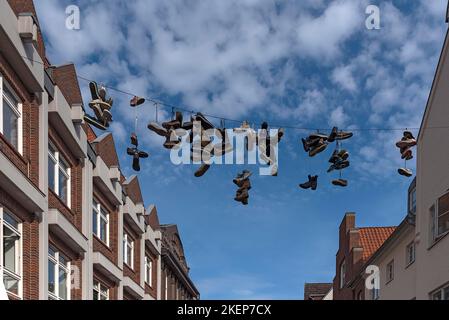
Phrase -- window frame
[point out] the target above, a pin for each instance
(148, 271)
(58, 265)
(390, 277)
(409, 261)
(18, 252)
(342, 274)
(128, 245)
(442, 292)
(59, 159)
(101, 214)
(18, 110)
(412, 201)
(97, 289)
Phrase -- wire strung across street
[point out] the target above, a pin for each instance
(191, 110)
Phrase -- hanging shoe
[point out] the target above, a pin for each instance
(333, 135)
(245, 185)
(102, 93)
(340, 182)
(264, 126)
(158, 129)
(405, 172)
(171, 142)
(343, 155)
(320, 147)
(311, 184)
(406, 143)
(344, 135)
(407, 154)
(202, 170)
(334, 157)
(241, 177)
(306, 145)
(93, 86)
(240, 197)
(136, 163)
(408, 135)
(94, 122)
(281, 133)
(134, 140)
(187, 125)
(314, 183)
(245, 201)
(107, 118)
(339, 165)
(136, 101)
(171, 125)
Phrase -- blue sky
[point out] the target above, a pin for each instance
(309, 64)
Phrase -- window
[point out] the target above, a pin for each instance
(410, 251)
(441, 294)
(442, 218)
(58, 175)
(58, 275)
(11, 252)
(390, 271)
(11, 116)
(149, 271)
(100, 223)
(342, 274)
(101, 292)
(128, 251)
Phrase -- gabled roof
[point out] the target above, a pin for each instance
(67, 80)
(132, 189)
(316, 291)
(153, 218)
(104, 146)
(372, 238)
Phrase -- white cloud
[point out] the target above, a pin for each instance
(338, 117)
(343, 76)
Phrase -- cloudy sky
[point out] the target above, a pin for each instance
(310, 63)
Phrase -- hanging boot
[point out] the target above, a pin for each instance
(241, 177)
(205, 124)
(136, 101)
(242, 196)
(134, 140)
(405, 172)
(202, 170)
(308, 184)
(408, 135)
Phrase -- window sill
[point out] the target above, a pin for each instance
(129, 267)
(436, 241)
(409, 264)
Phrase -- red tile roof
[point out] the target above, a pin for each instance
(372, 238)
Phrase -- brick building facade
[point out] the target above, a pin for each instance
(72, 226)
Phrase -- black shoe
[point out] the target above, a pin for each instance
(314, 183)
(333, 135)
(136, 163)
(305, 145)
(202, 170)
(335, 156)
(155, 127)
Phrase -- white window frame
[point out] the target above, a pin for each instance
(97, 288)
(390, 276)
(18, 110)
(409, 261)
(58, 159)
(342, 274)
(102, 214)
(128, 244)
(149, 271)
(18, 253)
(66, 268)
